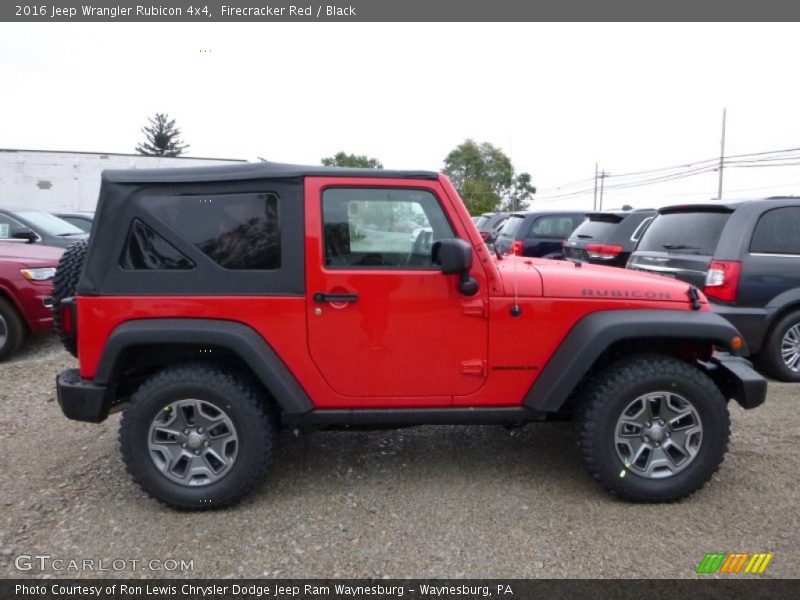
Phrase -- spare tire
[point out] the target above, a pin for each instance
(64, 285)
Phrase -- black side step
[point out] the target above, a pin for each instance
(403, 417)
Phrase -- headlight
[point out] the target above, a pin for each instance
(39, 274)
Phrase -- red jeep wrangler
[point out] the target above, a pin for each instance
(216, 305)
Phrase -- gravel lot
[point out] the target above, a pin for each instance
(422, 502)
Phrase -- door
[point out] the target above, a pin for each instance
(384, 323)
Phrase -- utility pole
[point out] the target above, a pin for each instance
(722, 154)
(603, 176)
(594, 202)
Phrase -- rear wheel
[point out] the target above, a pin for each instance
(12, 330)
(780, 356)
(653, 428)
(64, 285)
(196, 437)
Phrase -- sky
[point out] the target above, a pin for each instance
(557, 98)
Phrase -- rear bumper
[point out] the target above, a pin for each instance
(81, 400)
(751, 323)
(738, 380)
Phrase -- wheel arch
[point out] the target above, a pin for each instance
(146, 345)
(600, 337)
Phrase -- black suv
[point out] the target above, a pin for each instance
(538, 234)
(608, 238)
(746, 257)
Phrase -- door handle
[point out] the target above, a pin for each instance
(320, 297)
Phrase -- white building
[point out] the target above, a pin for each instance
(70, 181)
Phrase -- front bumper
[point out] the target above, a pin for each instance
(738, 380)
(81, 400)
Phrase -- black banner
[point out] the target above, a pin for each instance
(242, 11)
(442, 589)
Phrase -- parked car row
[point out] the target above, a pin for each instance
(31, 244)
(745, 257)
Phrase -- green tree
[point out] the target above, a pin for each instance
(342, 159)
(162, 138)
(486, 179)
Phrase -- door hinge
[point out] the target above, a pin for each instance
(475, 308)
(474, 367)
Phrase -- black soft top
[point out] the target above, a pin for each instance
(261, 170)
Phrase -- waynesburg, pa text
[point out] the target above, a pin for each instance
(273, 590)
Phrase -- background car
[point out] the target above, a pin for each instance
(82, 221)
(608, 238)
(37, 226)
(26, 274)
(746, 257)
(488, 225)
(537, 233)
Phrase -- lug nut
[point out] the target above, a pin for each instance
(661, 422)
(183, 445)
(199, 430)
(196, 452)
(185, 432)
(205, 443)
(647, 424)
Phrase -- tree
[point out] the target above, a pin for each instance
(486, 179)
(162, 138)
(341, 159)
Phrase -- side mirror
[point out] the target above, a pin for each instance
(23, 233)
(454, 257)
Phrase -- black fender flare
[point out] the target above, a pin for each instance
(596, 332)
(236, 337)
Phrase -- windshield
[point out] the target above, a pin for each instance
(47, 223)
(685, 233)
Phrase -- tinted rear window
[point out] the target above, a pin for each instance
(684, 233)
(511, 225)
(480, 220)
(596, 229)
(777, 232)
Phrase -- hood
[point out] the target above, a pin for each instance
(562, 279)
(32, 255)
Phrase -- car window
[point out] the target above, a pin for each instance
(237, 231)
(480, 220)
(81, 223)
(47, 223)
(381, 227)
(639, 232)
(691, 232)
(7, 226)
(558, 226)
(511, 224)
(146, 250)
(777, 232)
(597, 227)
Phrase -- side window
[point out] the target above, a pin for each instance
(236, 231)
(7, 226)
(777, 232)
(146, 250)
(381, 228)
(637, 234)
(553, 227)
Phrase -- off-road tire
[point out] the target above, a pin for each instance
(770, 359)
(610, 391)
(13, 328)
(245, 404)
(64, 285)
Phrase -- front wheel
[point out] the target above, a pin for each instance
(196, 437)
(653, 428)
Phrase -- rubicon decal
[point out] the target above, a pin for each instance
(597, 293)
(733, 563)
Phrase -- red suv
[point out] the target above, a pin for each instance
(214, 306)
(26, 274)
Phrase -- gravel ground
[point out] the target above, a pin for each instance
(422, 502)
